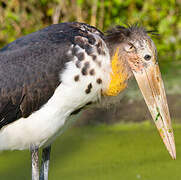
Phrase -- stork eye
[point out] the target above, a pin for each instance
(147, 57)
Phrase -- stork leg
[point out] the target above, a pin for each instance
(34, 163)
(45, 163)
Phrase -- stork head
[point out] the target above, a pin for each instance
(133, 52)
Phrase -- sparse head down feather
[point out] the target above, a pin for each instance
(120, 34)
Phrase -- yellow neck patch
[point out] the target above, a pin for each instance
(118, 77)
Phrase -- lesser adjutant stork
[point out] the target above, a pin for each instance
(48, 75)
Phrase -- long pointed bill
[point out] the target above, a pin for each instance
(152, 88)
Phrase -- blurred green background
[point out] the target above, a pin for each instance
(118, 141)
(18, 17)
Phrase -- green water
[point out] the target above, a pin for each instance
(114, 152)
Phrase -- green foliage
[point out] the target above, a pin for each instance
(19, 17)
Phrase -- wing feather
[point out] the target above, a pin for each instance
(31, 65)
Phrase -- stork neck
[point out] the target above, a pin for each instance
(119, 75)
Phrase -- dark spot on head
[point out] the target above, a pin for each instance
(99, 81)
(92, 72)
(76, 78)
(88, 90)
(78, 64)
(80, 56)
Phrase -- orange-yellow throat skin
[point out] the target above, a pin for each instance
(118, 77)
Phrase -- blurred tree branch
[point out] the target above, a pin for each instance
(56, 14)
(93, 13)
(101, 15)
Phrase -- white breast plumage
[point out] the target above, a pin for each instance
(82, 81)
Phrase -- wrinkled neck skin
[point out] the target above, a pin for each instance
(120, 70)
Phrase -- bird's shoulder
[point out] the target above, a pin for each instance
(56, 34)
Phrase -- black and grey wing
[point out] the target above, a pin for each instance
(30, 68)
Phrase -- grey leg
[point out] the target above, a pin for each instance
(34, 163)
(45, 163)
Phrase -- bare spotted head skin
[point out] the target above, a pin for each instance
(137, 52)
(136, 48)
